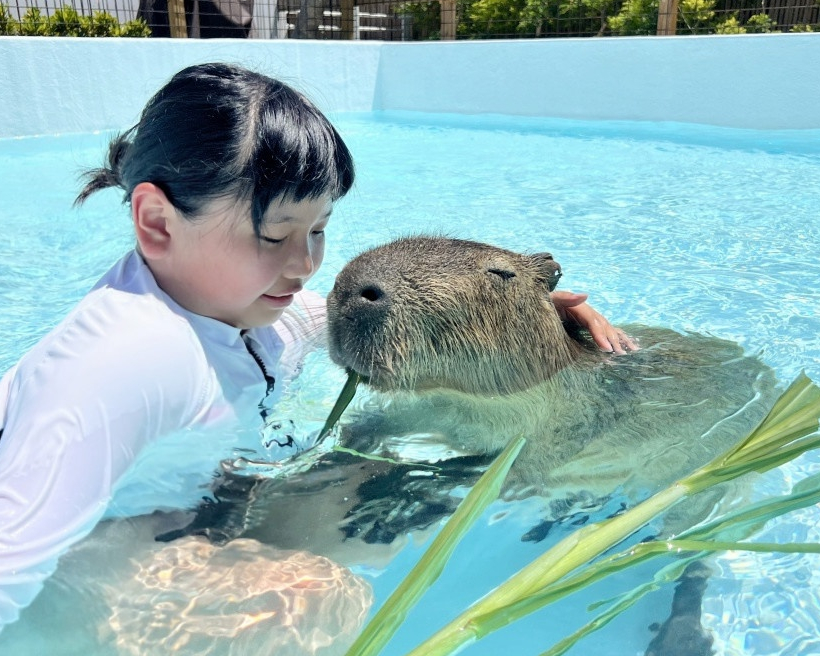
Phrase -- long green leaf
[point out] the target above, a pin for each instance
(774, 441)
(390, 616)
(498, 618)
(570, 553)
(740, 523)
(758, 547)
(667, 574)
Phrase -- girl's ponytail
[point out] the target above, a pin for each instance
(109, 175)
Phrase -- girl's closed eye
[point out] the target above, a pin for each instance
(317, 232)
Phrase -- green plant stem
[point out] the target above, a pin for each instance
(617, 606)
(668, 573)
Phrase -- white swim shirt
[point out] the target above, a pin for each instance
(127, 366)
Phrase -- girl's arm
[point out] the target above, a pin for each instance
(80, 407)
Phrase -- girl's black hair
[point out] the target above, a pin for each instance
(219, 130)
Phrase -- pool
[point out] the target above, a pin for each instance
(693, 228)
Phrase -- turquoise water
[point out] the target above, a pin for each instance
(692, 228)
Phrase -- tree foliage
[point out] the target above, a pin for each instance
(635, 17)
(480, 19)
(66, 21)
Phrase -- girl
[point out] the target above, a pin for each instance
(231, 177)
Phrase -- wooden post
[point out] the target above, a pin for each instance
(667, 17)
(449, 20)
(176, 19)
(347, 19)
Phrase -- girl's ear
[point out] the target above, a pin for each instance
(151, 212)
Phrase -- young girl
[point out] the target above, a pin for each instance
(231, 177)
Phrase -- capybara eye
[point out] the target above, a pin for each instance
(502, 273)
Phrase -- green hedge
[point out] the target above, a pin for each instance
(67, 22)
(483, 19)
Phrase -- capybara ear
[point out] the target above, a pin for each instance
(550, 269)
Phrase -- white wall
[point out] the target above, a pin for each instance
(63, 85)
(748, 81)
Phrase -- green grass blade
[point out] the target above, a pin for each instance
(640, 553)
(569, 554)
(668, 574)
(345, 397)
(741, 523)
(617, 563)
(793, 414)
(501, 616)
(731, 527)
(758, 547)
(390, 616)
(759, 461)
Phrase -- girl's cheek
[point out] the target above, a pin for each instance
(319, 256)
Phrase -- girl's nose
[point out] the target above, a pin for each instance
(301, 263)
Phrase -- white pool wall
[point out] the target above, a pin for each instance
(769, 81)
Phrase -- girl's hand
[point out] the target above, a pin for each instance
(573, 307)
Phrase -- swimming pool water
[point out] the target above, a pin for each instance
(688, 227)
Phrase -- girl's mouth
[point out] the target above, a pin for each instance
(279, 301)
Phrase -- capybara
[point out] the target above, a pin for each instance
(467, 342)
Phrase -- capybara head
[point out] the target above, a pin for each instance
(431, 312)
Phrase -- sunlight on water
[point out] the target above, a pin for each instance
(695, 229)
(291, 603)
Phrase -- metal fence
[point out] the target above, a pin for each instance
(413, 20)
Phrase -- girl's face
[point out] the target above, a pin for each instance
(220, 269)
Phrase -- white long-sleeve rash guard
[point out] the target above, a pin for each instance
(126, 367)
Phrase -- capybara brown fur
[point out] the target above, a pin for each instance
(464, 338)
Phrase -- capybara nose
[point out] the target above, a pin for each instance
(365, 301)
(372, 293)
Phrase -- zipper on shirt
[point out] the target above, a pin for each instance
(264, 410)
(270, 381)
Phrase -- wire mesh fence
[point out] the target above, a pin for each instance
(415, 20)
